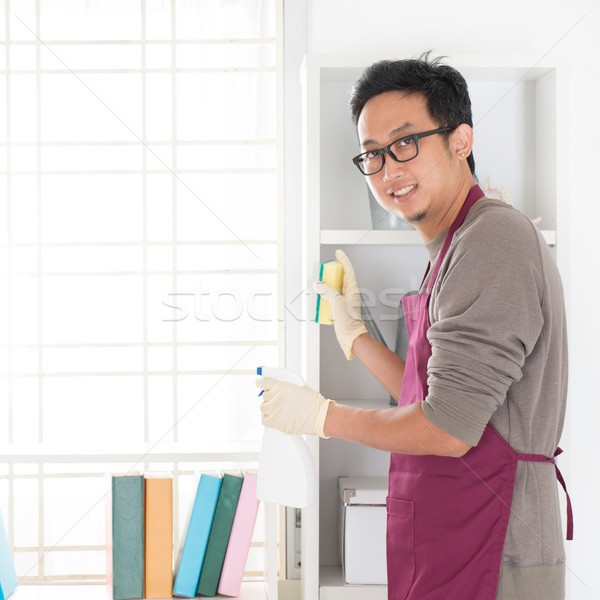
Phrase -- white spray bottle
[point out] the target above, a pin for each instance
(286, 471)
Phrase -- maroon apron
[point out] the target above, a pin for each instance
(447, 517)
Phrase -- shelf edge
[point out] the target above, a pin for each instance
(366, 237)
(144, 453)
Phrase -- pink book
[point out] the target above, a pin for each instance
(239, 541)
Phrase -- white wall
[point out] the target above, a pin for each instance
(540, 28)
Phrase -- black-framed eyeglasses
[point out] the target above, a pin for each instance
(401, 150)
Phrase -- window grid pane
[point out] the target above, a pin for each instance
(138, 261)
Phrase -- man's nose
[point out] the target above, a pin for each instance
(392, 169)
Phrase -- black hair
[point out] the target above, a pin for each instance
(444, 88)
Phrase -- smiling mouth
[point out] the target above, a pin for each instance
(403, 191)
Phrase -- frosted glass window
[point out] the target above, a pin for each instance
(22, 20)
(160, 360)
(24, 307)
(224, 56)
(89, 107)
(4, 392)
(91, 20)
(159, 105)
(159, 159)
(158, 56)
(26, 510)
(83, 562)
(160, 403)
(27, 562)
(95, 259)
(92, 208)
(24, 260)
(90, 56)
(226, 207)
(22, 206)
(3, 111)
(138, 252)
(198, 20)
(23, 158)
(23, 110)
(82, 494)
(25, 406)
(228, 256)
(93, 359)
(23, 57)
(159, 258)
(91, 158)
(159, 207)
(79, 310)
(210, 407)
(25, 361)
(206, 358)
(225, 156)
(208, 307)
(110, 405)
(198, 101)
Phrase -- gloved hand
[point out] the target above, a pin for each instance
(292, 408)
(345, 307)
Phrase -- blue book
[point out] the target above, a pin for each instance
(196, 539)
(8, 575)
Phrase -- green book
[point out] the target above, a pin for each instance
(219, 535)
(128, 536)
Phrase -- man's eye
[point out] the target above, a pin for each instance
(403, 143)
(370, 155)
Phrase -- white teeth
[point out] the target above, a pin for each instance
(405, 190)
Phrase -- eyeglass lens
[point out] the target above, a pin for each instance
(403, 149)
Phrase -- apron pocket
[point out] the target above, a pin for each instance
(400, 547)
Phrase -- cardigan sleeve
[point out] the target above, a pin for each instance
(486, 317)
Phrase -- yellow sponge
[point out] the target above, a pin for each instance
(331, 273)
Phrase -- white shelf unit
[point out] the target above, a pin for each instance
(250, 591)
(519, 106)
(137, 455)
(363, 237)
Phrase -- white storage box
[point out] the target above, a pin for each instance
(363, 519)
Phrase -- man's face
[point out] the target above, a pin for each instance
(422, 190)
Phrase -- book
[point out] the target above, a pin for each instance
(196, 539)
(219, 534)
(158, 535)
(127, 537)
(239, 541)
(8, 575)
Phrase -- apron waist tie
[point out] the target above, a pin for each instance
(542, 458)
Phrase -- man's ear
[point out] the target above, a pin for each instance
(461, 141)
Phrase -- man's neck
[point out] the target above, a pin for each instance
(429, 230)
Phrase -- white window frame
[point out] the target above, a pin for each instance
(40, 461)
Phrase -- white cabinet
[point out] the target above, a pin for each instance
(518, 114)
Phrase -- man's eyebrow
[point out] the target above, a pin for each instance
(392, 134)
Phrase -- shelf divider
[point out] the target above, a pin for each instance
(333, 587)
(364, 237)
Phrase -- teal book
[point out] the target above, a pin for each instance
(8, 576)
(219, 535)
(196, 539)
(128, 537)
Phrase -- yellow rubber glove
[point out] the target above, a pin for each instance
(345, 307)
(292, 408)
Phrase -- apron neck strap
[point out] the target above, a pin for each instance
(474, 194)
